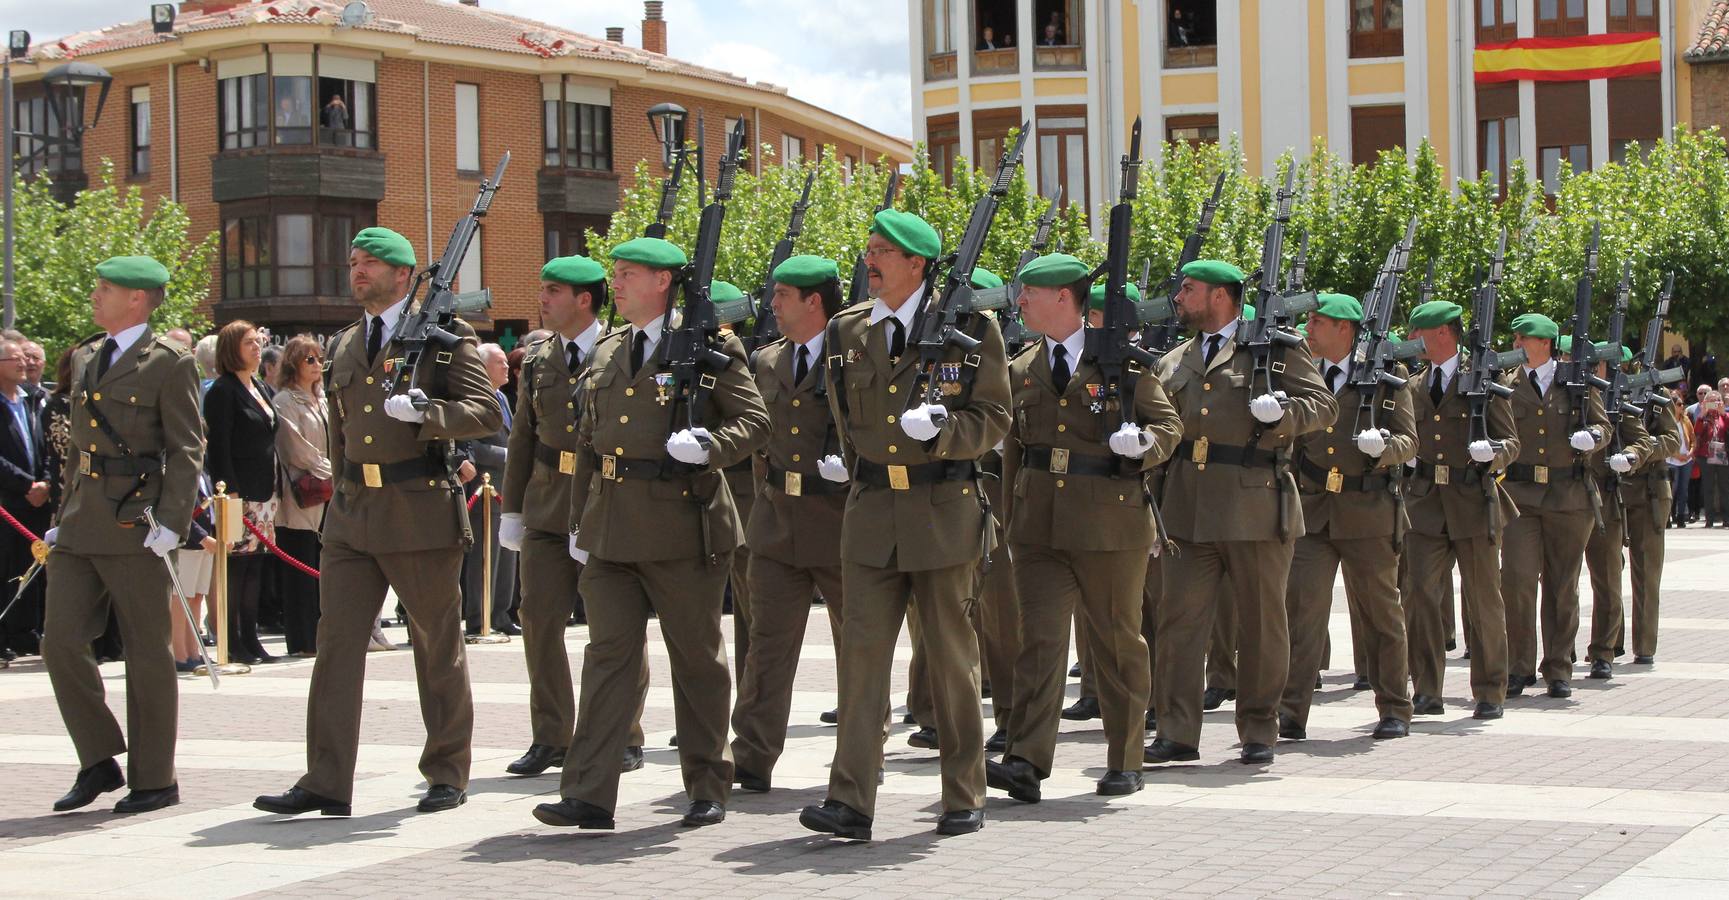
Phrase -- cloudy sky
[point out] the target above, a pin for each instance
(846, 55)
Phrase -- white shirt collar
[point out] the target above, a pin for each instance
(813, 347)
(1229, 331)
(1545, 373)
(1072, 347)
(881, 311)
(652, 330)
(1344, 370)
(388, 317)
(584, 339)
(125, 339)
(1448, 369)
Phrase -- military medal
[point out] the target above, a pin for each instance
(389, 365)
(662, 381)
(1096, 392)
(949, 378)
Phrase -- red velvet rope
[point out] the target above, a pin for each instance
(18, 526)
(278, 551)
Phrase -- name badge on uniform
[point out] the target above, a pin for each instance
(662, 387)
(949, 379)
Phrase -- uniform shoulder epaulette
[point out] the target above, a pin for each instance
(779, 341)
(349, 327)
(857, 309)
(98, 336)
(1028, 348)
(613, 335)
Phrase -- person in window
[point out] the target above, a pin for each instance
(1051, 38)
(988, 38)
(335, 120)
(1055, 25)
(240, 425)
(1182, 28)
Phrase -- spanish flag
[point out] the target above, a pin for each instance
(1579, 58)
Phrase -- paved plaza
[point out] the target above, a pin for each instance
(1620, 791)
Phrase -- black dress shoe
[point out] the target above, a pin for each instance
(1289, 729)
(997, 742)
(1644, 660)
(1600, 668)
(672, 741)
(832, 717)
(299, 800)
(632, 759)
(1515, 685)
(538, 759)
(91, 783)
(1014, 775)
(1255, 754)
(925, 738)
(1560, 690)
(574, 814)
(1216, 697)
(965, 821)
(1361, 684)
(836, 818)
(149, 801)
(507, 629)
(1390, 728)
(1486, 710)
(1163, 750)
(1117, 784)
(747, 781)
(909, 720)
(441, 797)
(1082, 710)
(984, 690)
(1075, 670)
(1452, 645)
(703, 812)
(1425, 705)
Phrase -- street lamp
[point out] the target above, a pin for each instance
(667, 122)
(67, 84)
(17, 47)
(162, 18)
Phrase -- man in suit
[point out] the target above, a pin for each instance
(654, 523)
(1080, 530)
(24, 493)
(915, 525)
(396, 521)
(487, 457)
(1231, 506)
(1458, 511)
(135, 406)
(537, 486)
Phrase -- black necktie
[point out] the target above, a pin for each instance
(1213, 348)
(1333, 374)
(1060, 368)
(374, 340)
(802, 368)
(572, 355)
(638, 345)
(897, 338)
(1531, 376)
(108, 348)
(1435, 389)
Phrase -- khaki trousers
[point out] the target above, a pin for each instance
(1606, 565)
(1429, 563)
(686, 595)
(81, 592)
(1371, 567)
(1550, 546)
(351, 595)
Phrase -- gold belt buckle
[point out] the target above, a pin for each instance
(794, 484)
(566, 462)
(1443, 474)
(372, 474)
(609, 467)
(1335, 482)
(1540, 474)
(1059, 461)
(898, 478)
(84, 467)
(1198, 453)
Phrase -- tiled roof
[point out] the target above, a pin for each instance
(1712, 44)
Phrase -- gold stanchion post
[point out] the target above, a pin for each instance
(486, 635)
(228, 515)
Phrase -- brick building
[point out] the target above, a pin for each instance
(230, 112)
(1708, 65)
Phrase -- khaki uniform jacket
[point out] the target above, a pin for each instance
(1080, 512)
(150, 398)
(928, 526)
(1349, 514)
(1457, 509)
(641, 520)
(1649, 480)
(414, 514)
(1638, 443)
(545, 414)
(1208, 502)
(801, 529)
(1546, 424)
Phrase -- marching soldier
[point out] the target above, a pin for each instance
(1452, 520)
(741, 479)
(1080, 529)
(397, 521)
(1550, 480)
(139, 440)
(1230, 505)
(537, 482)
(915, 525)
(1354, 520)
(653, 519)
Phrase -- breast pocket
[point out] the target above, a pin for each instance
(549, 390)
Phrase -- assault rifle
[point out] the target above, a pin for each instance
(668, 198)
(1006, 299)
(1112, 348)
(1477, 383)
(860, 286)
(1162, 335)
(767, 329)
(1615, 387)
(1275, 311)
(1580, 374)
(1646, 384)
(1377, 352)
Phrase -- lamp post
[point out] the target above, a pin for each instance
(667, 122)
(17, 45)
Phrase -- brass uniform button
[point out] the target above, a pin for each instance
(891, 422)
(431, 483)
(573, 380)
(570, 428)
(1329, 429)
(1203, 410)
(370, 379)
(1437, 417)
(367, 439)
(795, 457)
(894, 389)
(892, 449)
(1063, 402)
(628, 392)
(1207, 387)
(1059, 482)
(794, 429)
(795, 401)
(623, 420)
(1330, 451)
(1062, 428)
(366, 408)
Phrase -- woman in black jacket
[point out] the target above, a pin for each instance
(240, 428)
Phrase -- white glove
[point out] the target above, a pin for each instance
(1267, 407)
(1130, 441)
(51, 536)
(161, 541)
(1620, 463)
(401, 406)
(833, 468)
(510, 531)
(1372, 442)
(577, 553)
(921, 423)
(1583, 441)
(690, 446)
(1482, 451)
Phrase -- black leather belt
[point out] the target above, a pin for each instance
(802, 484)
(902, 477)
(117, 466)
(1336, 482)
(375, 475)
(621, 468)
(1058, 461)
(1203, 451)
(1449, 474)
(1545, 474)
(562, 460)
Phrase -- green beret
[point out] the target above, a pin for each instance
(1339, 306)
(652, 252)
(386, 245)
(984, 279)
(1626, 354)
(1435, 312)
(908, 232)
(1096, 296)
(139, 272)
(806, 271)
(1535, 325)
(573, 270)
(1053, 270)
(722, 291)
(1214, 271)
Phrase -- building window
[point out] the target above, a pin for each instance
(1192, 130)
(289, 247)
(1635, 114)
(943, 138)
(297, 99)
(1563, 129)
(1497, 21)
(791, 150)
(1376, 128)
(1059, 35)
(578, 135)
(939, 39)
(1377, 28)
(847, 164)
(140, 128)
(1549, 159)
(1497, 147)
(35, 156)
(566, 233)
(1191, 33)
(1062, 135)
(345, 119)
(1632, 15)
(245, 114)
(1560, 18)
(292, 103)
(994, 42)
(467, 127)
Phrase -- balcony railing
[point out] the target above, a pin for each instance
(1193, 57)
(939, 66)
(1006, 61)
(1063, 56)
